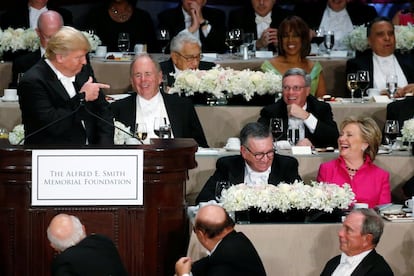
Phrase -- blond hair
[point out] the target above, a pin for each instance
(66, 40)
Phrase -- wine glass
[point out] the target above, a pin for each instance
(220, 186)
(276, 127)
(163, 37)
(391, 130)
(230, 40)
(391, 82)
(141, 131)
(352, 84)
(363, 82)
(162, 128)
(248, 40)
(329, 41)
(238, 37)
(318, 39)
(123, 42)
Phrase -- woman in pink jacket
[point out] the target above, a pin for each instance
(358, 144)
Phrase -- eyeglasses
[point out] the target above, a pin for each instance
(190, 58)
(260, 155)
(295, 88)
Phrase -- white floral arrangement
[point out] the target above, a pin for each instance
(357, 38)
(93, 39)
(407, 130)
(120, 136)
(284, 197)
(16, 135)
(220, 81)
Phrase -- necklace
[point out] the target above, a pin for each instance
(351, 170)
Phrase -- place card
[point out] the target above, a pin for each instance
(301, 150)
(381, 99)
(209, 56)
(264, 54)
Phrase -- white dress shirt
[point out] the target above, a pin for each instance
(310, 123)
(339, 22)
(67, 82)
(262, 23)
(348, 264)
(252, 178)
(384, 66)
(34, 16)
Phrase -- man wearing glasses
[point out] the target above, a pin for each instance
(257, 163)
(298, 109)
(185, 51)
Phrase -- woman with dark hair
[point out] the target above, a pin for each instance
(122, 16)
(294, 45)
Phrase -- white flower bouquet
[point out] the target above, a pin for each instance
(284, 197)
(16, 135)
(120, 136)
(18, 39)
(357, 38)
(93, 39)
(219, 82)
(407, 130)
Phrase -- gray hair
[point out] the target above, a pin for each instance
(372, 224)
(299, 72)
(180, 39)
(77, 235)
(254, 130)
(141, 56)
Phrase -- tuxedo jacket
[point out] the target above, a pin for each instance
(167, 68)
(94, 255)
(23, 63)
(231, 168)
(43, 101)
(173, 20)
(326, 132)
(364, 62)
(18, 17)
(372, 265)
(183, 117)
(234, 255)
(401, 110)
(312, 13)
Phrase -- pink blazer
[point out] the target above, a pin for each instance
(371, 184)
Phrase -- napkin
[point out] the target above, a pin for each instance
(283, 144)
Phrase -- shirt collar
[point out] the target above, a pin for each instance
(59, 75)
(356, 259)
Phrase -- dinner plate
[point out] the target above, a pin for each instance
(398, 219)
(116, 97)
(9, 100)
(118, 57)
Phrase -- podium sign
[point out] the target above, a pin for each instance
(87, 177)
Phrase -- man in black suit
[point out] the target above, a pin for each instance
(262, 19)
(382, 60)
(360, 233)
(48, 24)
(336, 15)
(257, 164)
(25, 15)
(207, 24)
(300, 110)
(58, 95)
(232, 253)
(185, 51)
(148, 103)
(79, 254)
(401, 110)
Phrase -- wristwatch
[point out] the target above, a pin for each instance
(205, 23)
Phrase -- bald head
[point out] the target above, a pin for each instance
(48, 24)
(65, 231)
(214, 221)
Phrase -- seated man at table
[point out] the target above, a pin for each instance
(149, 103)
(360, 234)
(58, 95)
(298, 109)
(80, 254)
(230, 252)
(262, 18)
(257, 164)
(382, 60)
(206, 23)
(185, 51)
(401, 111)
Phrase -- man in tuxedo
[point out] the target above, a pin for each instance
(262, 19)
(360, 233)
(48, 24)
(26, 15)
(207, 24)
(149, 103)
(336, 15)
(58, 95)
(257, 164)
(300, 110)
(231, 252)
(382, 60)
(79, 254)
(185, 51)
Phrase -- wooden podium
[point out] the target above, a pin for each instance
(150, 238)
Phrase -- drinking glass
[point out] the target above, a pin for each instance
(391, 82)
(318, 39)
(238, 37)
(4, 134)
(220, 186)
(293, 135)
(162, 128)
(329, 41)
(230, 40)
(248, 40)
(141, 131)
(276, 127)
(363, 82)
(123, 42)
(163, 37)
(352, 84)
(391, 130)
